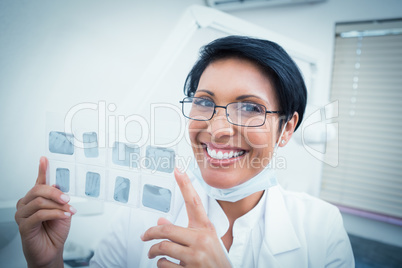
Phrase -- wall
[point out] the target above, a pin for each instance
(74, 51)
(53, 50)
(71, 51)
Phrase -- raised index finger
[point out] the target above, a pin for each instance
(43, 162)
(197, 217)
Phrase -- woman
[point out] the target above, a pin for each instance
(245, 98)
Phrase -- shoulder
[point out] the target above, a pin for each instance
(315, 216)
(302, 204)
(319, 228)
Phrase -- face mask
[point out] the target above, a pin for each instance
(262, 181)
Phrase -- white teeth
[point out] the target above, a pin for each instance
(212, 153)
(221, 155)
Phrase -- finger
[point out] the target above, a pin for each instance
(43, 162)
(197, 217)
(42, 203)
(45, 191)
(177, 234)
(170, 249)
(41, 216)
(163, 221)
(164, 263)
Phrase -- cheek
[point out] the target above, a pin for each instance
(261, 140)
(196, 128)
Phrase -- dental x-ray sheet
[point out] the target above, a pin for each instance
(124, 173)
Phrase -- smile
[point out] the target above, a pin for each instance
(222, 155)
(217, 154)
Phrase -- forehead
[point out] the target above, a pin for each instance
(233, 77)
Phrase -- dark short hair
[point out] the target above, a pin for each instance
(270, 57)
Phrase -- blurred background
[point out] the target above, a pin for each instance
(57, 54)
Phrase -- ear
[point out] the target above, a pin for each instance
(289, 129)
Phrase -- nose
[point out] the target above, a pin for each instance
(219, 126)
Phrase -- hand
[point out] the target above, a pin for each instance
(44, 217)
(197, 245)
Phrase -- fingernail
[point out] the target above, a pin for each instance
(73, 209)
(65, 198)
(149, 255)
(68, 214)
(142, 236)
(180, 169)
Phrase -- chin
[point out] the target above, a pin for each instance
(221, 178)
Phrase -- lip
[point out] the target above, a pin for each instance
(224, 148)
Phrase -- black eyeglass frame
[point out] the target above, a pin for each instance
(226, 111)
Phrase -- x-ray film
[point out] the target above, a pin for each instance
(157, 191)
(61, 175)
(126, 174)
(92, 184)
(61, 143)
(90, 140)
(160, 159)
(63, 179)
(88, 150)
(121, 189)
(156, 197)
(126, 155)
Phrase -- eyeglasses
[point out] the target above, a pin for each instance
(246, 114)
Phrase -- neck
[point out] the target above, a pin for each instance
(235, 210)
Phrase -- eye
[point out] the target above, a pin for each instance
(251, 108)
(203, 102)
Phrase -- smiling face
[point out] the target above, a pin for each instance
(229, 155)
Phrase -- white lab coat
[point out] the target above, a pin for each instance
(285, 229)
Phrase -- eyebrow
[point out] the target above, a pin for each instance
(206, 91)
(242, 97)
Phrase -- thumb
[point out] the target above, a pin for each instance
(43, 163)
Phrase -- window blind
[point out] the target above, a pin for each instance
(367, 82)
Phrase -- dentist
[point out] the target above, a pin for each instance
(244, 98)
